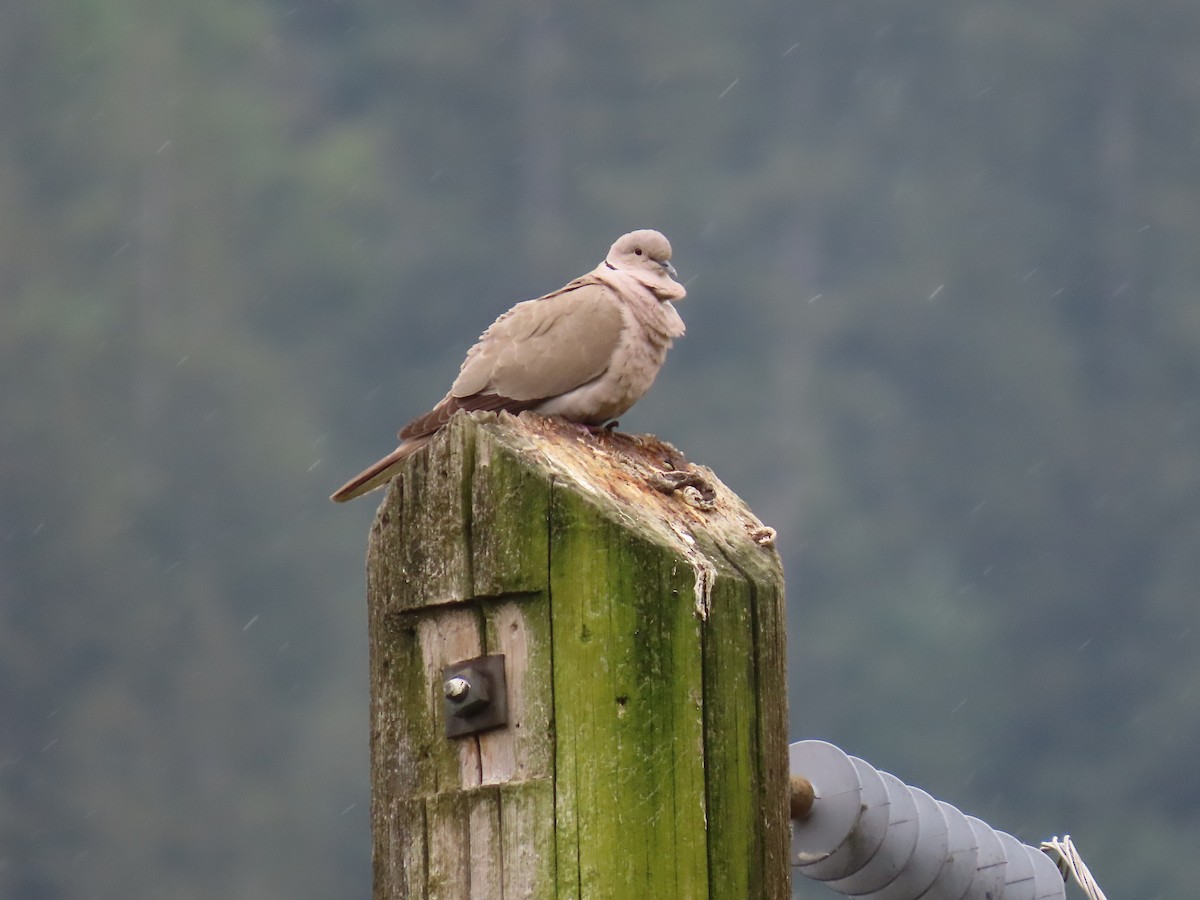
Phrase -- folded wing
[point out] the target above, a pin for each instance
(537, 350)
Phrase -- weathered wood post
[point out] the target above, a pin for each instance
(638, 605)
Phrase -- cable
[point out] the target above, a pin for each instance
(1070, 863)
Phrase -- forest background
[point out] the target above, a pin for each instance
(943, 334)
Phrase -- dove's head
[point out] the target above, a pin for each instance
(646, 255)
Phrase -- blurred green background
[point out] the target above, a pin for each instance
(944, 335)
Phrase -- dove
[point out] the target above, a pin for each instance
(585, 352)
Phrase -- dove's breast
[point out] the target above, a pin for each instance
(650, 328)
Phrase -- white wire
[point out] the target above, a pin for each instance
(1071, 863)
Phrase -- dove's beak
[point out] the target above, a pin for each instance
(670, 269)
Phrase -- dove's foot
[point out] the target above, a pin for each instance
(606, 428)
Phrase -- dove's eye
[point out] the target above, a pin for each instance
(638, 251)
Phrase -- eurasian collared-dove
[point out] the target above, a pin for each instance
(586, 352)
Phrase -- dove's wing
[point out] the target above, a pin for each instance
(537, 350)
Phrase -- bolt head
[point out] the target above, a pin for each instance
(457, 688)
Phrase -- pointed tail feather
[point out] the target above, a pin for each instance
(380, 473)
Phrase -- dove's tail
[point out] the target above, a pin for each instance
(380, 473)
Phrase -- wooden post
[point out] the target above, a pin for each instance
(638, 604)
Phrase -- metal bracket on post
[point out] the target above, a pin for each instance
(475, 695)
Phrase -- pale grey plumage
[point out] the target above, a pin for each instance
(586, 352)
